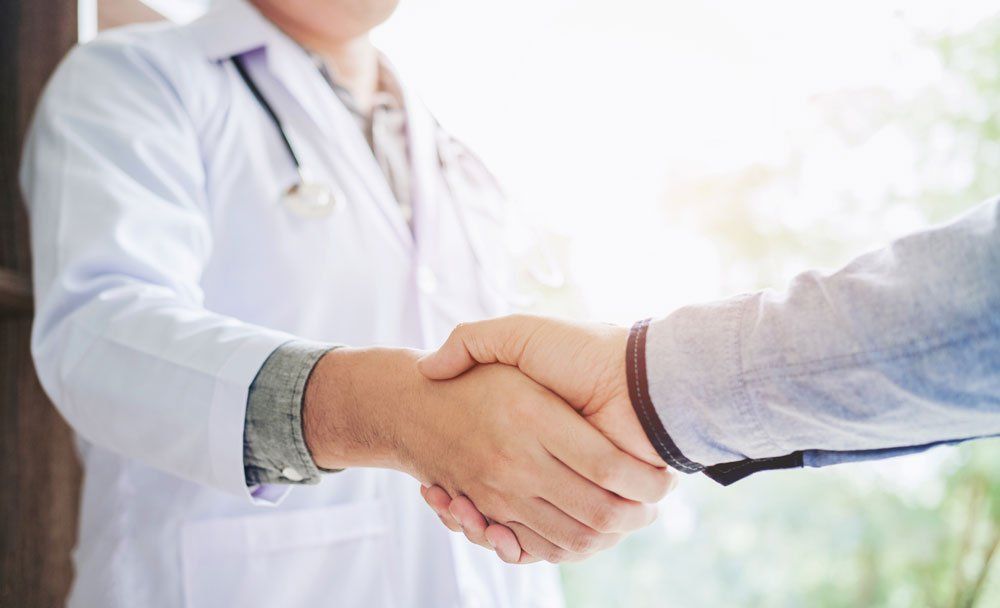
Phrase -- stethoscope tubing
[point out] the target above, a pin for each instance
(241, 69)
(266, 106)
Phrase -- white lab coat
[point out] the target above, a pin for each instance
(167, 270)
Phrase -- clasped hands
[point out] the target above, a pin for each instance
(520, 430)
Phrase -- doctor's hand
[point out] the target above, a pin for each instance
(523, 456)
(584, 363)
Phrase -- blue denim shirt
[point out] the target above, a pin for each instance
(897, 352)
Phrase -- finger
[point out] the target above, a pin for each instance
(439, 500)
(506, 545)
(592, 505)
(467, 515)
(495, 536)
(450, 524)
(584, 449)
(435, 505)
(538, 547)
(560, 529)
(500, 340)
(471, 520)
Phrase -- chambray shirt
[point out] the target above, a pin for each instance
(896, 352)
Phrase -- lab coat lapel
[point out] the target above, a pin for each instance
(237, 27)
(295, 70)
(425, 182)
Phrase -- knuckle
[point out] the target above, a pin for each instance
(556, 555)
(459, 330)
(473, 536)
(608, 474)
(609, 516)
(584, 542)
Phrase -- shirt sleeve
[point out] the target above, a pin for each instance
(274, 448)
(897, 352)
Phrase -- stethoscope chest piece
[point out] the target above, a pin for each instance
(305, 198)
(311, 199)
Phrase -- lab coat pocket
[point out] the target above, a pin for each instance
(329, 556)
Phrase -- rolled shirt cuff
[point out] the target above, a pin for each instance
(686, 387)
(690, 392)
(275, 450)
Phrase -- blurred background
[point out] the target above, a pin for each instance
(673, 152)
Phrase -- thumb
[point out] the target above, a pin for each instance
(496, 340)
(448, 361)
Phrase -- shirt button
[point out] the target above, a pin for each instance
(426, 280)
(291, 474)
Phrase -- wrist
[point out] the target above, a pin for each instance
(347, 419)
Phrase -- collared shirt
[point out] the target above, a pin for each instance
(897, 352)
(384, 128)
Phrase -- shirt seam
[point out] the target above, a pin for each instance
(745, 403)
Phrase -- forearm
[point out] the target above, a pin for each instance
(898, 349)
(352, 407)
(311, 411)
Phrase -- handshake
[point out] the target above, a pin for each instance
(520, 429)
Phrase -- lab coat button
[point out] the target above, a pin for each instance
(291, 474)
(426, 280)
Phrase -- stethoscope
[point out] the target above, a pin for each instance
(314, 199)
(304, 197)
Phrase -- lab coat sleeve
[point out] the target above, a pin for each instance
(115, 188)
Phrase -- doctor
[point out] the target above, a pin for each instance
(215, 206)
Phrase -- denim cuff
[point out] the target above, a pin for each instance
(274, 448)
(686, 384)
(638, 392)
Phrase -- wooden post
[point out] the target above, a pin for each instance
(39, 472)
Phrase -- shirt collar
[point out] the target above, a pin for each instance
(388, 97)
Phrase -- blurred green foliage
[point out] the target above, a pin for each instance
(848, 536)
(970, 120)
(919, 531)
